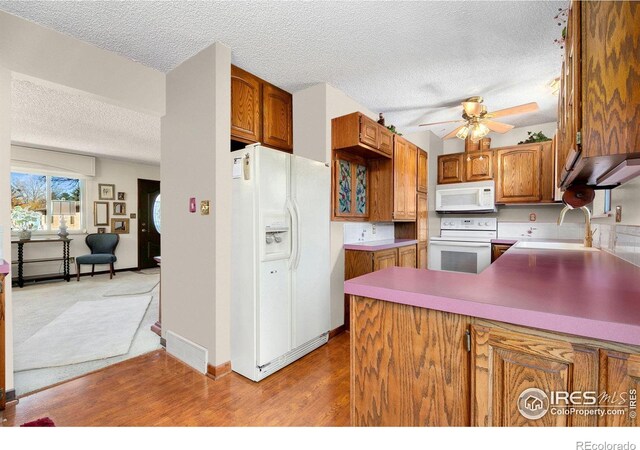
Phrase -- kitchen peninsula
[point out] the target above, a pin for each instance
(441, 348)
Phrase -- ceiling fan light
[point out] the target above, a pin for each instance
(478, 131)
(464, 131)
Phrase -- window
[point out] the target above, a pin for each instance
(38, 201)
(156, 213)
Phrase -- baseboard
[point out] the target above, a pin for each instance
(337, 331)
(10, 397)
(217, 372)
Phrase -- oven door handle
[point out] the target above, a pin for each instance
(460, 244)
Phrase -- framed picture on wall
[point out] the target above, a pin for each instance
(119, 209)
(120, 226)
(102, 230)
(106, 191)
(100, 213)
(120, 195)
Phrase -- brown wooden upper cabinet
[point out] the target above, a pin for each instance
(350, 187)
(260, 111)
(277, 125)
(451, 168)
(246, 106)
(423, 171)
(598, 103)
(361, 135)
(405, 160)
(524, 173)
(479, 166)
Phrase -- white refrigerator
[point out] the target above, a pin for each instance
(281, 259)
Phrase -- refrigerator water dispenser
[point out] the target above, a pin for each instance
(276, 240)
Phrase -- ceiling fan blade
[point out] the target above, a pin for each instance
(472, 108)
(498, 127)
(520, 109)
(453, 133)
(438, 123)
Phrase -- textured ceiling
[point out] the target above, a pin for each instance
(54, 118)
(414, 61)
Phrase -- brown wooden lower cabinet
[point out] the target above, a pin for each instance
(3, 394)
(423, 260)
(358, 263)
(414, 366)
(497, 250)
(409, 366)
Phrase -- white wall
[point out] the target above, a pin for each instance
(5, 210)
(512, 137)
(196, 162)
(124, 175)
(313, 109)
(38, 52)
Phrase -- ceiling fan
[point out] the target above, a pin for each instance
(476, 119)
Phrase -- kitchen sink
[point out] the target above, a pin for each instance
(555, 246)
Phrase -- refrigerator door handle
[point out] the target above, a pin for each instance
(297, 236)
(294, 233)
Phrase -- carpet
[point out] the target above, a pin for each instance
(141, 284)
(87, 331)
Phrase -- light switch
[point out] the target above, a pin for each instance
(204, 207)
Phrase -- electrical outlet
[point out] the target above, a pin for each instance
(532, 217)
(373, 228)
(618, 214)
(204, 207)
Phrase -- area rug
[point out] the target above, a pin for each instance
(44, 422)
(87, 331)
(134, 285)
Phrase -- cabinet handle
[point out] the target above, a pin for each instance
(468, 339)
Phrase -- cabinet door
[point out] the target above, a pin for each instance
(479, 166)
(423, 171)
(400, 148)
(368, 132)
(343, 188)
(386, 140)
(384, 259)
(3, 389)
(246, 105)
(620, 373)
(351, 189)
(450, 168)
(518, 174)
(423, 259)
(277, 127)
(411, 176)
(422, 224)
(407, 256)
(505, 364)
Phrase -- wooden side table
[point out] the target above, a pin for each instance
(21, 261)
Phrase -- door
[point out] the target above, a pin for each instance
(411, 177)
(468, 257)
(510, 370)
(450, 168)
(277, 127)
(407, 256)
(310, 182)
(518, 174)
(245, 106)
(620, 372)
(369, 132)
(149, 225)
(423, 171)
(422, 223)
(479, 166)
(274, 311)
(386, 140)
(385, 258)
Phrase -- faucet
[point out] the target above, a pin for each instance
(588, 235)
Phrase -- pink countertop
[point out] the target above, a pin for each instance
(5, 267)
(589, 294)
(374, 246)
(506, 241)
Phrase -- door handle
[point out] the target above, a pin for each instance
(144, 230)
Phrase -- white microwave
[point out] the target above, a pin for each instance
(475, 197)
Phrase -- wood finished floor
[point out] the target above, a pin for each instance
(158, 390)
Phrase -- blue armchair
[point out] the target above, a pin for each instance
(103, 247)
